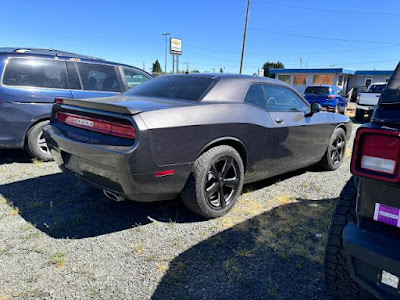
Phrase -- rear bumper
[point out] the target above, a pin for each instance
(368, 254)
(128, 172)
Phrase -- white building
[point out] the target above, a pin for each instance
(343, 78)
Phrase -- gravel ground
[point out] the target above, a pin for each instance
(61, 238)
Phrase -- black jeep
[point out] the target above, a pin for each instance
(362, 255)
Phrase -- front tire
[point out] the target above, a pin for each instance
(216, 182)
(337, 275)
(36, 144)
(334, 155)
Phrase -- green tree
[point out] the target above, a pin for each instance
(156, 67)
(195, 71)
(221, 70)
(271, 65)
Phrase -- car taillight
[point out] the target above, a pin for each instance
(120, 128)
(331, 97)
(59, 100)
(376, 154)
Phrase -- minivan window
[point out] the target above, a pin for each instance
(96, 77)
(73, 76)
(44, 73)
(133, 77)
(173, 87)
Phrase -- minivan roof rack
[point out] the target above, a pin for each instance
(46, 52)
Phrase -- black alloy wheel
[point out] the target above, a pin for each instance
(337, 149)
(215, 183)
(222, 182)
(335, 152)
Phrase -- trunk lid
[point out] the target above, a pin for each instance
(127, 105)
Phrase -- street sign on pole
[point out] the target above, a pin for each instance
(261, 72)
(175, 46)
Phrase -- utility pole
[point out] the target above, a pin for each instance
(244, 36)
(166, 49)
(187, 67)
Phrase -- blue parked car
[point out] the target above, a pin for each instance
(32, 78)
(329, 96)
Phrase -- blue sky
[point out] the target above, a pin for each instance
(353, 34)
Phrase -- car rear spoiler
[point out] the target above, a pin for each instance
(103, 106)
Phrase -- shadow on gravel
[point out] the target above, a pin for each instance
(270, 181)
(277, 254)
(64, 207)
(11, 156)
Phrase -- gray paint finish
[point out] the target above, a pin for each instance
(171, 134)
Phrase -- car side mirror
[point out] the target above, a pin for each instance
(315, 107)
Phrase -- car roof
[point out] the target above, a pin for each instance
(38, 52)
(231, 87)
(227, 76)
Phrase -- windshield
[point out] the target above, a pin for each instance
(173, 87)
(317, 90)
(377, 88)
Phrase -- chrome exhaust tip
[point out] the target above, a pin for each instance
(113, 196)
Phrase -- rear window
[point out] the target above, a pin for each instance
(98, 77)
(173, 87)
(378, 88)
(317, 90)
(44, 73)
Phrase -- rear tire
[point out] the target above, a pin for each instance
(360, 115)
(35, 144)
(216, 182)
(334, 155)
(337, 275)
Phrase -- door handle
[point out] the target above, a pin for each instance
(278, 120)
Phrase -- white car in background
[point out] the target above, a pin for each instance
(367, 101)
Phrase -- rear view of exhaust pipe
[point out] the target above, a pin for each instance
(113, 196)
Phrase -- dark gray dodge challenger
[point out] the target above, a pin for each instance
(199, 135)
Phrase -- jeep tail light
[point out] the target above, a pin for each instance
(331, 97)
(376, 154)
(120, 128)
(59, 100)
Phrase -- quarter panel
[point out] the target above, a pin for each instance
(179, 135)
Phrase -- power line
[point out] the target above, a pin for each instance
(292, 53)
(324, 37)
(336, 11)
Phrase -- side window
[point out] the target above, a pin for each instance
(283, 99)
(133, 77)
(73, 76)
(255, 96)
(44, 73)
(96, 77)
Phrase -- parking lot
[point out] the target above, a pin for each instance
(61, 238)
